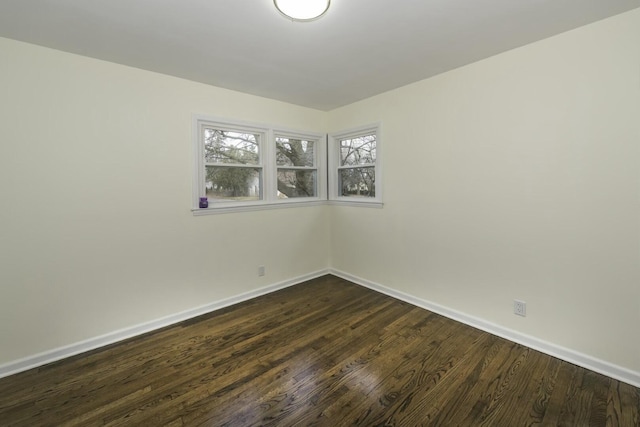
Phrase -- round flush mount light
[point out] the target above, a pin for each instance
(302, 10)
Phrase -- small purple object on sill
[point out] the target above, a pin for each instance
(204, 203)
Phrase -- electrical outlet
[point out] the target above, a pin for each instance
(519, 308)
(261, 270)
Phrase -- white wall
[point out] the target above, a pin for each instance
(514, 177)
(96, 232)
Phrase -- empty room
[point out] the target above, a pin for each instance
(356, 212)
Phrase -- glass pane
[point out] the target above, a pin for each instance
(294, 152)
(222, 146)
(358, 151)
(296, 183)
(233, 183)
(357, 182)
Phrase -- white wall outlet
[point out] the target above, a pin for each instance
(261, 270)
(519, 308)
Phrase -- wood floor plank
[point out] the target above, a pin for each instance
(346, 339)
(262, 348)
(323, 353)
(476, 399)
(524, 388)
(623, 406)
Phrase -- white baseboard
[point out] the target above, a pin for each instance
(54, 355)
(571, 356)
(603, 367)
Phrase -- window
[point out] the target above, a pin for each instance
(244, 167)
(233, 164)
(297, 167)
(355, 172)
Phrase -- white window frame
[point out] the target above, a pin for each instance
(334, 166)
(267, 163)
(320, 164)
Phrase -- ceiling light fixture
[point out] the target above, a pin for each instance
(302, 10)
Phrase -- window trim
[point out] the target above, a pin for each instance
(267, 164)
(334, 166)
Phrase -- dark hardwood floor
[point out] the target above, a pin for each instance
(327, 353)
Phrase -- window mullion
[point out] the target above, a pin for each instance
(268, 166)
(360, 166)
(298, 168)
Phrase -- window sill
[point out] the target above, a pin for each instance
(360, 204)
(260, 206)
(217, 210)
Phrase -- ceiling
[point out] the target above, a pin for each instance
(360, 48)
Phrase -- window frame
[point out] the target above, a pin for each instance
(319, 166)
(267, 163)
(334, 166)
